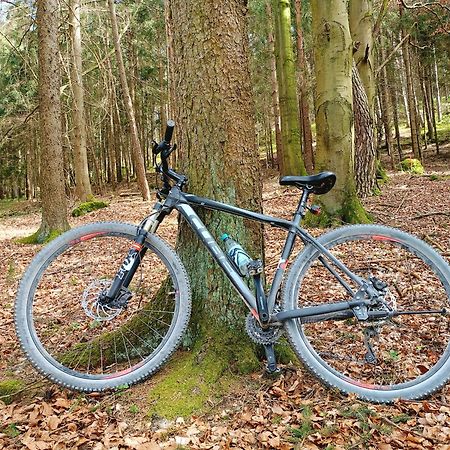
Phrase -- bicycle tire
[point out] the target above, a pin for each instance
(412, 352)
(80, 345)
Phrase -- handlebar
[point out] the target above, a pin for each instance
(166, 149)
(164, 145)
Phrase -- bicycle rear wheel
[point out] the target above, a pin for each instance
(75, 340)
(407, 356)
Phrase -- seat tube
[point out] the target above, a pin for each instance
(287, 250)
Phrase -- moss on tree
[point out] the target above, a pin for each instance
(88, 207)
(195, 378)
(40, 237)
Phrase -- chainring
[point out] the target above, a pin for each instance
(258, 334)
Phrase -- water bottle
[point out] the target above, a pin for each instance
(237, 254)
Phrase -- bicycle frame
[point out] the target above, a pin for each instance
(184, 203)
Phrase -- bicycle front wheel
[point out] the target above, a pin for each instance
(82, 344)
(407, 356)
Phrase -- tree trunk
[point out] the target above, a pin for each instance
(216, 132)
(364, 148)
(436, 81)
(275, 104)
(82, 184)
(386, 108)
(413, 122)
(292, 161)
(333, 66)
(53, 196)
(136, 152)
(361, 28)
(303, 96)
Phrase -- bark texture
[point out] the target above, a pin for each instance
(53, 197)
(216, 136)
(334, 112)
(82, 184)
(291, 160)
(364, 142)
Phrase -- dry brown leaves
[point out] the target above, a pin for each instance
(295, 411)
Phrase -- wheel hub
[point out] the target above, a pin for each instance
(94, 306)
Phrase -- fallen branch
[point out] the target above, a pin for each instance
(432, 213)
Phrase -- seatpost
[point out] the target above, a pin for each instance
(301, 209)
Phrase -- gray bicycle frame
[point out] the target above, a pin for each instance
(183, 203)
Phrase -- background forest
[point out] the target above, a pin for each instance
(405, 74)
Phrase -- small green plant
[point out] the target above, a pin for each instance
(401, 418)
(134, 409)
(88, 207)
(11, 274)
(412, 165)
(11, 430)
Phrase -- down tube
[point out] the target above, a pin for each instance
(205, 236)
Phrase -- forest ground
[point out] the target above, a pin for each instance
(294, 411)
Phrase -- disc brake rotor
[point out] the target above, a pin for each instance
(92, 306)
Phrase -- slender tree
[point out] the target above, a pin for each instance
(291, 159)
(333, 69)
(136, 151)
(83, 189)
(53, 197)
(303, 94)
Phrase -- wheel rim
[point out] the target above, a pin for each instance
(408, 351)
(80, 345)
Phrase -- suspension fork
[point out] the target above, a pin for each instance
(136, 253)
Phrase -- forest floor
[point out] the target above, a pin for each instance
(294, 411)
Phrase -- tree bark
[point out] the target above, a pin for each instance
(364, 149)
(361, 28)
(215, 131)
(292, 161)
(136, 151)
(83, 189)
(333, 66)
(52, 186)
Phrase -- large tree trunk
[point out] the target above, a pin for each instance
(136, 152)
(53, 196)
(361, 28)
(364, 143)
(82, 184)
(292, 161)
(333, 68)
(214, 109)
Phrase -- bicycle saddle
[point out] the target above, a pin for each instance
(320, 183)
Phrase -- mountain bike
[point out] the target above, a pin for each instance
(365, 307)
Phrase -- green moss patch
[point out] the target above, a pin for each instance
(88, 207)
(39, 237)
(412, 165)
(193, 380)
(9, 389)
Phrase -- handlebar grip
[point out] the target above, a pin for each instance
(169, 131)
